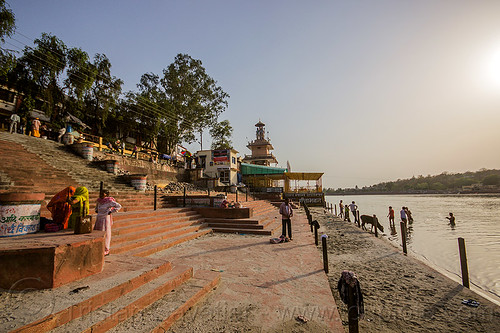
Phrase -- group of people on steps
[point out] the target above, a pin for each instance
(71, 204)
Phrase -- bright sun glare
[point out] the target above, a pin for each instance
(493, 68)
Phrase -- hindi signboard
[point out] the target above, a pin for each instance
(19, 219)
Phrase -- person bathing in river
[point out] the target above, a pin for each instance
(451, 218)
(346, 214)
(408, 215)
(354, 208)
(403, 214)
(391, 216)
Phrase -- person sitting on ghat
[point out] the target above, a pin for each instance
(79, 202)
(60, 209)
(224, 203)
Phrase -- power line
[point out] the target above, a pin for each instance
(158, 109)
(149, 111)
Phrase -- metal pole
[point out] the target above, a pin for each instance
(156, 195)
(184, 203)
(375, 220)
(463, 262)
(236, 194)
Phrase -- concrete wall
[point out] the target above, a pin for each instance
(157, 173)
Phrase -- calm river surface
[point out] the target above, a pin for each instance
(432, 238)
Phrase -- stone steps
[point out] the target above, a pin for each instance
(263, 222)
(120, 276)
(124, 307)
(152, 242)
(121, 236)
(61, 158)
(171, 306)
(169, 242)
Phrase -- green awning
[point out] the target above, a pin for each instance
(253, 169)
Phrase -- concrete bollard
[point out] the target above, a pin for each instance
(325, 253)
(352, 311)
(316, 227)
(403, 236)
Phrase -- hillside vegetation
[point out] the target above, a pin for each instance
(482, 181)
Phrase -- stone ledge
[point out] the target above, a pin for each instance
(49, 260)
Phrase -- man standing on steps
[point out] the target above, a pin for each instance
(36, 127)
(286, 215)
(14, 123)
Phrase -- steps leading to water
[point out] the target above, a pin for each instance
(263, 222)
(127, 288)
(173, 305)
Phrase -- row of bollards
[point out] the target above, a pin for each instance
(352, 306)
(314, 228)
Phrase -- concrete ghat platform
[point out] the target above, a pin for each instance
(49, 260)
(43, 310)
(277, 282)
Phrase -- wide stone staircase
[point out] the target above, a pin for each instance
(62, 160)
(265, 220)
(142, 233)
(134, 292)
(131, 285)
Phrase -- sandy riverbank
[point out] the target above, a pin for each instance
(401, 294)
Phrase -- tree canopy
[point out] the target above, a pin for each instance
(444, 183)
(166, 109)
(7, 28)
(175, 107)
(221, 134)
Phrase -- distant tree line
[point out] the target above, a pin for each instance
(167, 109)
(480, 181)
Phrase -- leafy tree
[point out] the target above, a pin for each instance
(177, 106)
(81, 73)
(102, 97)
(195, 99)
(422, 186)
(491, 180)
(40, 68)
(221, 133)
(7, 28)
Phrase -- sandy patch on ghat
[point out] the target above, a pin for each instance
(401, 294)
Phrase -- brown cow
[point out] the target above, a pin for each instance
(373, 220)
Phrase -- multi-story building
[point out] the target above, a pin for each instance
(219, 164)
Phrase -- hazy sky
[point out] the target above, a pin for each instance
(365, 91)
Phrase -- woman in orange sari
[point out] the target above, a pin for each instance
(60, 208)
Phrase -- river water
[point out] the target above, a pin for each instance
(431, 238)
